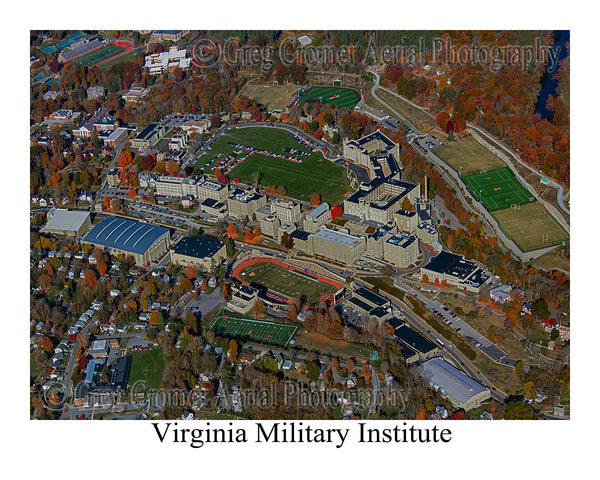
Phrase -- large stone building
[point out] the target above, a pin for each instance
(317, 218)
(198, 187)
(243, 203)
(376, 240)
(401, 250)
(286, 211)
(376, 152)
(455, 270)
(336, 246)
(269, 226)
(366, 302)
(203, 251)
(380, 199)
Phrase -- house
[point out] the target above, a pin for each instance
(287, 364)
(247, 358)
(135, 94)
(501, 293)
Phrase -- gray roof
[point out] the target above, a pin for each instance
(319, 210)
(125, 234)
(66, 220)
(337, 237)
(454, 383)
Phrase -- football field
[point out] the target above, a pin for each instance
(286, 283)
(248, 330)
(98, 56)
(498, 189)
(342, 97)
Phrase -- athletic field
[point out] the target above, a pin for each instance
(98, 56)
(248, 330)
(286, 283)
(273, 97)
(342, 97)
(531, 226)
(469, 154)
(301, 180)
(497, 189)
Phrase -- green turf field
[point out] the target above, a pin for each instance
(342, 97)
(497, 189)
(469, 154)
(260, 331)
(301, 180)
(147, 366)
(531, 227)
(99, 55)
(287, 283)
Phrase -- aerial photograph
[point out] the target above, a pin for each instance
(299, 225)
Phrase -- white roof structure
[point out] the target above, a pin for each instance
(158, 62)
(450, 380)
(65, 220)
(336, 237)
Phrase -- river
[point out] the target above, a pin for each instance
(549, 84)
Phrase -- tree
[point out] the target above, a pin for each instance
(529, 390)
(517, 410)
(125, 158)
(259, 309)
(554, 334)
(539, 309)
(233, 350)
(336, 211)
(132, 193)
(519, 368)
(102, 268)
(47, 344)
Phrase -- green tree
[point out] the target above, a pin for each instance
(312, 371)
(554, 334)
(540, 309)
(516, 410)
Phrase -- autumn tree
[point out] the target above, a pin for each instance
(336, 211)
(315, 199)
(102, 268)
(47, 344)
(125, 158)
(233, 350)
(132, 193)
(259, 309)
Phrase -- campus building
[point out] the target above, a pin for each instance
(269, 226)
(99, 122)
(68, 223)
(376, 152)
(455, 270)
(456, 386)
(401, 250)
(203, 252)
(414, 340)
(366, 302)
(336, 246)
(285, 211)
(169, 35)
(242, 299)
(243, 203)
(376, 240)
(380, 199)
(427, 233)
(149, 136)
(135, 94)
(317, 218)
(122, 236)
(158, 63)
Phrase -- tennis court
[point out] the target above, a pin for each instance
(498, 189)
(249, 330)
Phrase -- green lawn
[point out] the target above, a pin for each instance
(301, 180)
(531, 227)
(148, 366)
(126, 57)
(286, 283)
(342, 97)
(260, 331)
(469, 154)
(417, 117)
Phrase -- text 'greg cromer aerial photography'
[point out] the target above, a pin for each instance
(299, 225)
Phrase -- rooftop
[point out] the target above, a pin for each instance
(66, 220)
(125, 234)
(336, 237)
(319, 210)
(452, 381)
(202, 246)
(414, 339)
(401, 240)
(451, 264)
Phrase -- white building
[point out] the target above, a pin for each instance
(158, 63)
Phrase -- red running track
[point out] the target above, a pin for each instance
(253, 261)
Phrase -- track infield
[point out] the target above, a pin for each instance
(497, 189)
(531, 226)
(259, 331)
(100, 55)
(286, 282)
(342, 97)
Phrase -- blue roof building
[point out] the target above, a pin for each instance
(119, 235)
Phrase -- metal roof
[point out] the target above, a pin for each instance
(125, 234)
(202, 246)
(455, 383)
(66, 220)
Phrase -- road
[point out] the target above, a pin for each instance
(111, 167)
